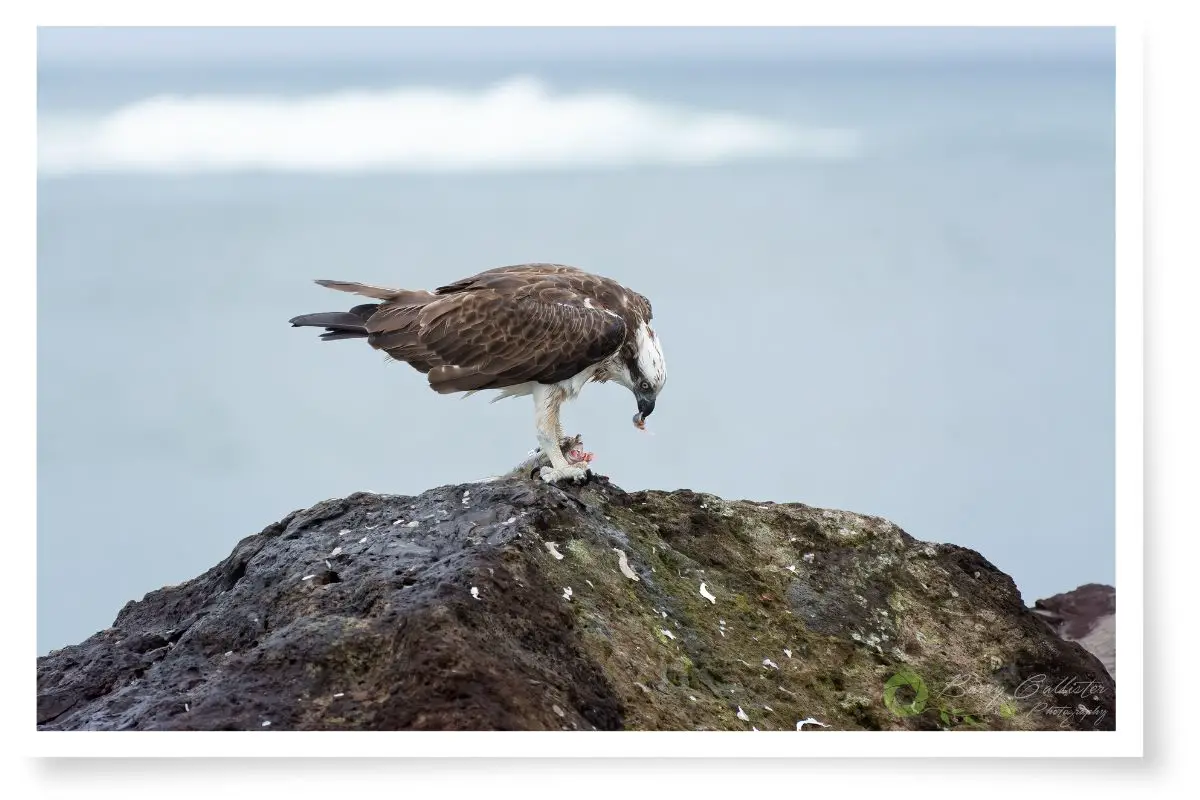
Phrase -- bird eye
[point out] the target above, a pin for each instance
(645, 384)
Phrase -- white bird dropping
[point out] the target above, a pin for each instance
(475, 592)
(623, 563)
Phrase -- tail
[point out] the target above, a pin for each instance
(350, 324)
(401, 297)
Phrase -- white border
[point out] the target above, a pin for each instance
(1126, 741)
(1129, 446)
(868, 13)
(613, 744)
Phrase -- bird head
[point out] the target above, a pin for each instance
(643, 371)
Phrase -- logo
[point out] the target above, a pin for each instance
(966, 702)
(905, 679)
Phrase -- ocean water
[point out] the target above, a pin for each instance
(882, 287)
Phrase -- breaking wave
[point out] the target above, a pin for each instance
(515, 125)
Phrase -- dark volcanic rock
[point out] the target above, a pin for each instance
(518, 605)
(1086, 615)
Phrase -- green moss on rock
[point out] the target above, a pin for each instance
(469, 621)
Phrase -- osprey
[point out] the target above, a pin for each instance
(545, 330)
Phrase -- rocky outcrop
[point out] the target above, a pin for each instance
(1086, 615)
(514, 604)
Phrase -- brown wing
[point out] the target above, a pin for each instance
(503, 326)
(489, 339)
(396, 331)
(605, 291)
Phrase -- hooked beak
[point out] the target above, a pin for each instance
(645, 405)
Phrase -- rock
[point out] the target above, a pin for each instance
(1086, 615)
(832, 619)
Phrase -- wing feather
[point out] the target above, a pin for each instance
(486, 339)
(605, 290)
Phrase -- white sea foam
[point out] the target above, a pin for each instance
(518, 124)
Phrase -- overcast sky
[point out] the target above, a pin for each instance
(200, 44)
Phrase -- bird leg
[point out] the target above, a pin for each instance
(546, 402)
